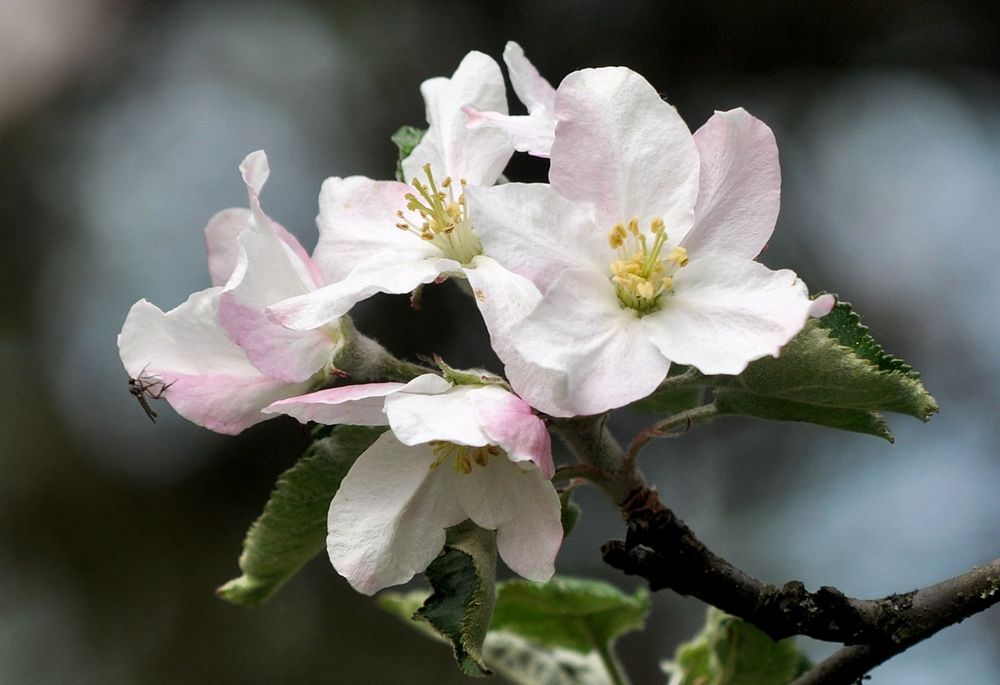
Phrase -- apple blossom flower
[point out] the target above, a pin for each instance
(643, 245)
(532, 133)
(390, 237)
(453, 453)
(216, 358)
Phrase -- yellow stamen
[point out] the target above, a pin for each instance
(442, 218)
(640, 273)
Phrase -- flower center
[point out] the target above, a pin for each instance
(463, 455)
(641, 274)
(443, 217)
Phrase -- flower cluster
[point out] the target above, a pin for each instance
(640, 252)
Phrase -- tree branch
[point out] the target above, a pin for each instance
(931, 609)
(662, 549)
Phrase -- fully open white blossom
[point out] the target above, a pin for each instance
(643, 245)
(391, 237)
(453, 453)
(216, 358)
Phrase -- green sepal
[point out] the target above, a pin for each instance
(731, 652)
(292, 528)
(406, 138)
(569, 613)
(463, 578)
(569, 511)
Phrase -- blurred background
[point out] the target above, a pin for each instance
(121, 126)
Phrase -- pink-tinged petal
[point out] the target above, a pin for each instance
(522, 506)
(822, 306)
(255, 171)
(726, 312)
(267, 271)
(223, 229)
(600, 349)
(419, 418)
(382, 273)
(356, 405)
(387, 521)
(508, 421)
(224, 404)
(212, 383)
(535, 132)
(357, 221)
(505, 299)
(532, 89)
(532, 133)
(187, 339)
(533, 231)
(624, 151)
(220, 242)
(276, 351)
(478, 155)
(740, 189)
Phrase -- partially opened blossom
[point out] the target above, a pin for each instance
(453, 453)
(643, 245)
(534, 132)
(391, 237)
(269, 266)
(216, 358)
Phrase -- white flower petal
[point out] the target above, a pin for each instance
(505, 299)
(382, 273)
(535, 132)
(740, 189)
(532, 230)
(211, 381)
(532, 133)
(450, 416)
(601, 349)
(357, 220)
(532, 89)
(220, 240)
(356, 405)
(624, 151)
(478, 155)
(387, 521)
(726, 312)
(522, 506)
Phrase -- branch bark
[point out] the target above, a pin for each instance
(660, 548)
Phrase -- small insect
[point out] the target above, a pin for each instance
(143, 386)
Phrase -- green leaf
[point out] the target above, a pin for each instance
(513, 657)
(737, 402)
(675, 395)
(571, 613)
(832, 373)
(460, 608)
(525, 663)
(406, 138)
(731, 652)
(292, 529)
